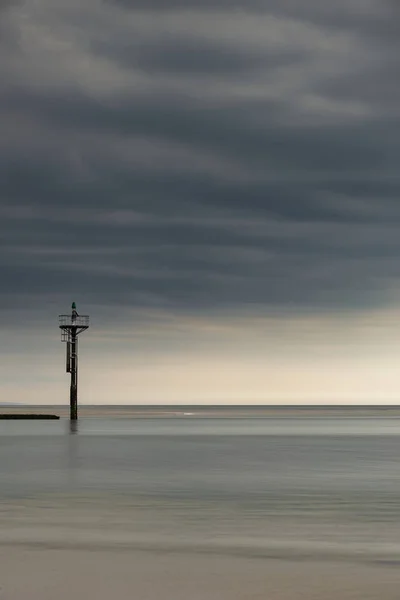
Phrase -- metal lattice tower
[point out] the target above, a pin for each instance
(71, 326)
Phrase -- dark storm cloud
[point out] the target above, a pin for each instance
(200, 156)
(225, 132)
(375, 18)
(194, 55)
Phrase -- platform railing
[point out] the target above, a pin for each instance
(76, 321)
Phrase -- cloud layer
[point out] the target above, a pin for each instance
(198, 158)
(197, 155)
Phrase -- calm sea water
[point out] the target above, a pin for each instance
(304, 486)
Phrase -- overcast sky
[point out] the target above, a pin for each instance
(216, 183)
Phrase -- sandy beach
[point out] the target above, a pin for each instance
(98, 549)
(39, 573)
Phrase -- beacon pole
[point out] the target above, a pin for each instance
(71, 326)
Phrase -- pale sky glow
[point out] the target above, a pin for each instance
(308, 359)
(215, 182)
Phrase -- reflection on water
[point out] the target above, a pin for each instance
(73, 426)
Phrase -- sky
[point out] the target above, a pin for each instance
(216, 184)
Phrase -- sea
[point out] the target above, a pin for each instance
(293, 485)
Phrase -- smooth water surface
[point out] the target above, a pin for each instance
(308, 482)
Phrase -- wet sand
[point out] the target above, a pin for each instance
(39, 573)
(90, 548)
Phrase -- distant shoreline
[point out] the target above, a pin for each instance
(196, 411)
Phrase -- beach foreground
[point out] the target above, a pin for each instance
(200, 509)
(103, 548)
(39, 573)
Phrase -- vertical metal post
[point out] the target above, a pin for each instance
(71, 326)
(68, 357)
(73, 398)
